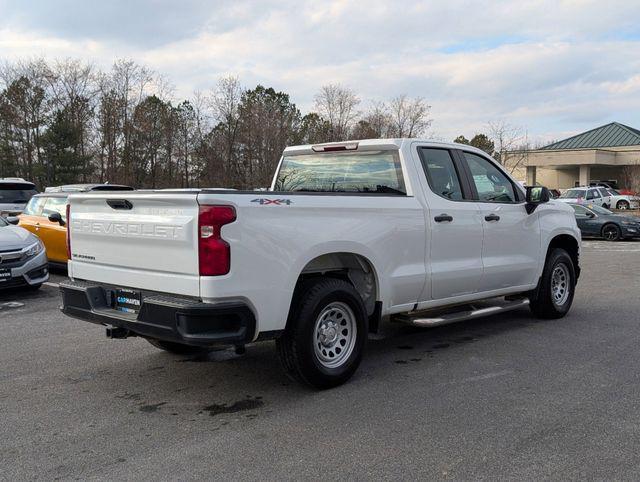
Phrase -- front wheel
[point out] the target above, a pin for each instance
(326, 333)
(623, 205)
(611, 232)
(554, 296)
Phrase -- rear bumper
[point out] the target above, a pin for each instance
(168, 318)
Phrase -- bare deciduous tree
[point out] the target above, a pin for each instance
(225, 103)
(511, 144)
(409, 117)
(631, 177)
(338, 104)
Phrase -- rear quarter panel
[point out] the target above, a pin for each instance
(272, 243)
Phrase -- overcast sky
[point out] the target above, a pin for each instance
(552, 67)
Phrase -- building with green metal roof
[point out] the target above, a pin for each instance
(607, 153)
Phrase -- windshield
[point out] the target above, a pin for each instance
(367, 172)
(614, 192)
(16, 193)
(573, 194)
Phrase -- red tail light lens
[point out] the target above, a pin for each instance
(214, 253)
(68, 231)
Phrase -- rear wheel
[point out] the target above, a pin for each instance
(623, 205)
(326, 333)
(178, 348)
(554, 296)
(611, 232)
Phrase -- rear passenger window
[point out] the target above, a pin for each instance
(491, 183)
(441, 173)
(580, 211)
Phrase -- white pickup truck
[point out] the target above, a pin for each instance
(349, 235)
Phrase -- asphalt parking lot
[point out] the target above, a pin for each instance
(507, 397)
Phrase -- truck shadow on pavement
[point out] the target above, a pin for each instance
(222, 384)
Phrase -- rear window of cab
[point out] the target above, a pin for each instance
(354, 172)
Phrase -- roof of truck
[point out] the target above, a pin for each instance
(371, 144)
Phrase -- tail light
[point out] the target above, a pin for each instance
(214, 253)
(68, 231)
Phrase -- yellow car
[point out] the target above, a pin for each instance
(46, 216)
(35, 218)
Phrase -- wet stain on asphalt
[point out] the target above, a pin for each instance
(151, 408)
(441, 345)
(235, 407)
(130, 396)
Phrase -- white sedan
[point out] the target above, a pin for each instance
(623, 201)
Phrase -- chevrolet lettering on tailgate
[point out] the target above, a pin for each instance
(128, 229)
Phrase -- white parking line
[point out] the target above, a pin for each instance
(49, 283)
(618, 247)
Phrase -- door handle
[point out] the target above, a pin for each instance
(492, 217)
(443, 218)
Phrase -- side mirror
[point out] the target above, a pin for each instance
(536, 195)
(56, 218)
(13, 220)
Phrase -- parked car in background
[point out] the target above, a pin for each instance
(555, 193)
(15, 193)
(598, 196)
(23, 261)
(596, 221)
(623, 201)
(46, 216)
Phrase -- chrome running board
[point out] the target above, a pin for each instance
(438, 317)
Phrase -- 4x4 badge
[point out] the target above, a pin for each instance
(277, 202)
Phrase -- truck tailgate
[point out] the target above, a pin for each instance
(138, 240)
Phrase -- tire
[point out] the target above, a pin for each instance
(622, 205)
(178, 348)
(611, 232)
(554, 296)
(326, 333)
(606, 206)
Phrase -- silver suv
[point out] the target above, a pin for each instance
(15, 193)
(592, 195)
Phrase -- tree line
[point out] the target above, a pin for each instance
(67, 121)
